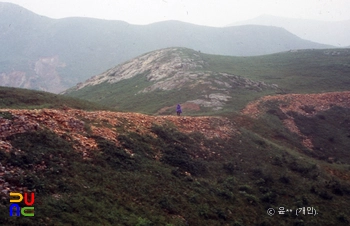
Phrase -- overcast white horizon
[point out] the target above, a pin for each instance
(215, 13)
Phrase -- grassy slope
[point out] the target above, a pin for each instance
(307, 71)
(16, 98)
(330, 132)
(124, 96)
(263, 166)
(252, 173)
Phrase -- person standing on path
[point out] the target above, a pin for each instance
(178, 110)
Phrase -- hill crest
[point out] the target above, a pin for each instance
(74, 159)
(155, 66)
(156, 81)
(334, 33)
(308, 105)
(84, 47)
(169, 70)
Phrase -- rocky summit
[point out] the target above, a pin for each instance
(172, 70)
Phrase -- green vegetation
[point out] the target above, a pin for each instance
(84, 47)
(172, 178)
(124, 96)
(304, 71)
(16, 98)
(166, 177)
(330, 134)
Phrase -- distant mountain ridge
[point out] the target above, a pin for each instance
(37, 52)
(336, 33)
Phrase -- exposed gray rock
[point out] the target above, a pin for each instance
(155, 66)
(214, 100)
(179, 69)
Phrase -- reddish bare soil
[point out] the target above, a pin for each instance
(78, 126)
(104, 124)
(295, 102)
(299, 103)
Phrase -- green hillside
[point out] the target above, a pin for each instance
(112, 168)
(16, 98)
(83, 47)
(304, 71)
(234, 154)
(174, 178)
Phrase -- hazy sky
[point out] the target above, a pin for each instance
(203, 12)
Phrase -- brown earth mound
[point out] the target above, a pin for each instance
(104, 124)
(305, 104)
(78, 126)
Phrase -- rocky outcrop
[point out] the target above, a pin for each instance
(155, 66)
(171, 69)
(214, 100)
(15, 79)
(178, 69)
(44, 76)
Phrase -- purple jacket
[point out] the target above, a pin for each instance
(178, 109)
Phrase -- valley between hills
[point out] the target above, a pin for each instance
(265, 124)
(256, 133)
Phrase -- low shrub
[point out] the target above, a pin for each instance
(6, 115)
